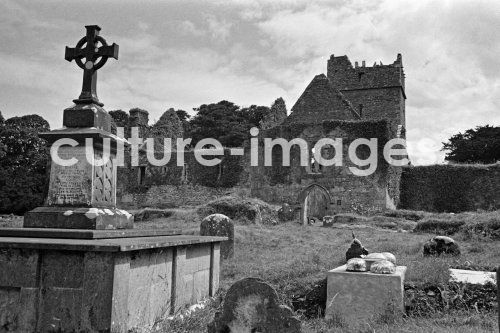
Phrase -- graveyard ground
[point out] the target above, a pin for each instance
(294, 259)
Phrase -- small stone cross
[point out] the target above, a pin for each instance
(91, 52)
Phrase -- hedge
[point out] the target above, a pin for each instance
(450, 188)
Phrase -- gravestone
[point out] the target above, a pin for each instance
(252, 305)
(441, 245)
(220, 225)
(286, 213)
(78, 265)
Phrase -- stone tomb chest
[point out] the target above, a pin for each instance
(358, 297)
(101, 280)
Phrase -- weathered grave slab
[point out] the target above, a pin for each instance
(252, 305)
(474, 277)
(364, 296)
(220, 225)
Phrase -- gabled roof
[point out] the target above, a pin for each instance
(321, 101)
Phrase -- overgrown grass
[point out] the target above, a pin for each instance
(294, 258)
(468, 224)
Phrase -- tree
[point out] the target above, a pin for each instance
(23, 164)
(225, 122)
(32, 121)
(184, 118)
(2, 120)
(254, 114)
(479, 145)
(120, 117)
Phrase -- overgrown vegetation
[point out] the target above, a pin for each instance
(23, 164)
(294, 259)
(450, 188)
(243, 210)
(469, 225)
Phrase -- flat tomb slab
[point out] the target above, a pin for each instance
(106, 245)
(85, 233)
(474, 277)
(358, 297)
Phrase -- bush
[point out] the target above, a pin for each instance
(411, 215)
(440, 227)
(245, 210)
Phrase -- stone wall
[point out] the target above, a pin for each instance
(348, 192)
(451, 188)
(169, 196)
(321, 101)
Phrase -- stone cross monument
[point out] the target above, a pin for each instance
(83, 195)
(78, 265)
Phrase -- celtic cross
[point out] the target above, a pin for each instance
(88, 48)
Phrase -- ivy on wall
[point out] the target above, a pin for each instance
(450, 188)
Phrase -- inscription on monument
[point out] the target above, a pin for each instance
(71, 185)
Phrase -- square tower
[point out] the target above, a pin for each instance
(376, 92)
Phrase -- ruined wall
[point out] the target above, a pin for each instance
(319, 102)
(349, 192)
(376, 92)
(170, 196)
(451, 188)
(277, 114)
(172, 180)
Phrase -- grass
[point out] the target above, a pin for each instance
(294, 258)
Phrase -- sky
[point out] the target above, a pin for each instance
(182, 54)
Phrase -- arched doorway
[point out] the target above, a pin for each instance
(314, 202)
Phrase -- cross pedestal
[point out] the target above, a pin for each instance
(78, 265)
(82, 195)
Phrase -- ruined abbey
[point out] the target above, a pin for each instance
(351, 101)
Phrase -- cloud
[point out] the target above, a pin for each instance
(220, 29)
(190, 28)
(183, 54)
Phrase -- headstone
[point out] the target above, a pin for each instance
(363, 297)
(286, 213)
(220, 225)
(252, 305)
(441, 245)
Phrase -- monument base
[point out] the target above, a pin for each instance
(93, 284)
(359, 297)
(78, 218)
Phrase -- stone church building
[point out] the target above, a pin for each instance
(349, 102)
